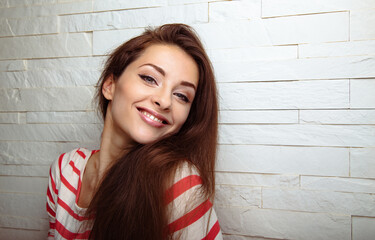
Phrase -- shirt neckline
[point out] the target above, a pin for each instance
(88, 154)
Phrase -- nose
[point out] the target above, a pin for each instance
(162, 99)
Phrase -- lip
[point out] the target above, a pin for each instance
(150, 121)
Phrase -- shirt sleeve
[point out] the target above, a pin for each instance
(52, 196)
(191, 214)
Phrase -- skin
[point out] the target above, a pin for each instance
(161, 82)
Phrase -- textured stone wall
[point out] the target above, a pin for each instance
(296, 80)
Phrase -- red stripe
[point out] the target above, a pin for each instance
(81, 153)
(60, 160)
(70, 211)
(213, 232)
(50, 196)
(71, 163)
(68, 234)
(63, 179)
(181, 186)
(49, 209)
(53, 182)
(190, 217)
(51, 225)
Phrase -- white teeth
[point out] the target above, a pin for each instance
(152, 117)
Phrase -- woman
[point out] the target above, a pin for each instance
(153, 177)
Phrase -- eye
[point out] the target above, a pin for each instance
(148, 79)
(182, 97)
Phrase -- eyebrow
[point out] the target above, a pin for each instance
(157, 68)
(162, 72)
(188, 84)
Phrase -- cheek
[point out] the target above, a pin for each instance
(127, 93)
(121, 104)
(181, 115)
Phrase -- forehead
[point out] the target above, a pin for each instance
(172, 59)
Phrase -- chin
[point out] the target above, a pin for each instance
(151, 138)
(146, 139)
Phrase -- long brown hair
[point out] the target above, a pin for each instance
(129, 203)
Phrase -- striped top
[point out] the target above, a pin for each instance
(190, 214)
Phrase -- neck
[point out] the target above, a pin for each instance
(113, 145)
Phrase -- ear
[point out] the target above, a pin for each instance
(108, 88)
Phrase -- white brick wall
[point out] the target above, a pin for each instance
(296, 81)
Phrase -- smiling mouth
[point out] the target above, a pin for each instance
(152, 117)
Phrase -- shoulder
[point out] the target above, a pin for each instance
(184, 170)
(186, 182)
(191, 214)
(69, 160)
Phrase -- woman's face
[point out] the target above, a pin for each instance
(153, 96)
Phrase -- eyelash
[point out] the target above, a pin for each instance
(148, 79)
(182, 97)
(151, 80)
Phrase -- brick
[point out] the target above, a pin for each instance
(345, 203)
(24, 223)
(62, 45)
(23, 184)
(106, 41)
(22, 118)
(284, 95)
(50, 132)
(362, 162)
(220, 34)
(337, 116)
(103, 5)
(9, 118)
(284, 116)
(28, 26)
(13, 79)
(229, 220)
(46, 9)
(325, 27)
(336, 49)
(296, 69)
(11, 97)
(361, 24)
(252, 54)
(17, 3)
(13, 65)
(190, 14)
(180, 2)
(237, 196)
(93, 63)
(39, 153)
(47, 99)
(338, 184)
(15, 204)
(235, 10)
(299, 135)
(49, 78)
(253, 179)
(63, 117)
(20, 234)
(24, 170)
(362, 93)
(270, 223)
(285, 160)
(363, 228)
(274, 8)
